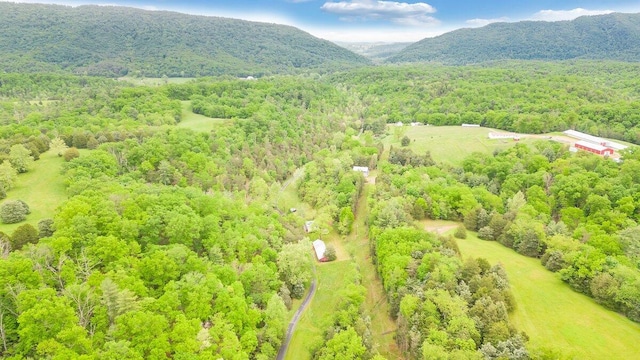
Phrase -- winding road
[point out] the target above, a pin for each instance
(294, 321)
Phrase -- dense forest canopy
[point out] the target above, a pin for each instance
(613, 36)
(600, 98)
(117, 41)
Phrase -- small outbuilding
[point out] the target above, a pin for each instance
(363, 169)
(308, 226)
(320, 248)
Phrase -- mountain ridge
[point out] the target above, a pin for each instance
(613, 36)
(116, 41)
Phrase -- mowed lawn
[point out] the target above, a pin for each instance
(552, 314)
(197, 122)
(332, 277)
(42, 188)
(449, 144)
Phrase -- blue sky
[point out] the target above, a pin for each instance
(379, 21)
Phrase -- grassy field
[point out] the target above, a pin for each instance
(318, 316)
(449, 144)
(154, 81)
(554, 316)
(383, 327)
(41, 188)
(197, 122)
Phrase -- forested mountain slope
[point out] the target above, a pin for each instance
(613, 36)
(115, 41)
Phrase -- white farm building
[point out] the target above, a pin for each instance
(495, 135)
(320, 248)
(363, 169)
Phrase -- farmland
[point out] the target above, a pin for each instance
(553, 315)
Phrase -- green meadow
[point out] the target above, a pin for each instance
(448, 144)
(197, 122)
(42, 188)
(554, 316)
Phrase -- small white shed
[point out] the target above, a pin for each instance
(319, 247)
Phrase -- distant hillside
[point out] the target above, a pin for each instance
(613, 36)
(374, 51)
(114, 41)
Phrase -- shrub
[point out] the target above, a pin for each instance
(405, 141)
(486, 233)
(553, 260)
(461, 232)
(25, 206)
(24, 234)
(71, 153)
(45, 228)
(330, 253)
(13, 211)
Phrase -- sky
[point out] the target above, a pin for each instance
(375, 20)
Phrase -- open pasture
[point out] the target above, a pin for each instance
(448, 144)
(553, 315)
(197, 122)
(42, 188)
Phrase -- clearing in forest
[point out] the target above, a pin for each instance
(197, 122)
(42, 188)
(552, 314)
(383, 327)
(154, 81)
(448, 144)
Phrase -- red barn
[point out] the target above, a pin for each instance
(593, 148)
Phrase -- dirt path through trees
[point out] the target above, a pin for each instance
(383, 326)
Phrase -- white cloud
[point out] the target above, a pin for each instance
(375, 34)
(397, 12)
(483, 22)
(559, 15)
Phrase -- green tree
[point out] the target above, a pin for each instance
(275, 320)
(43, 316)
(405, 141)
(58, 146)
(330, 253)
(24, 234)
(146, 331)
(346, 221)
(71, 153)
(461, 232)
(294, 266)
(45, 228)
(345, 345)
(8, 175)
(20, 158)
